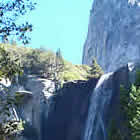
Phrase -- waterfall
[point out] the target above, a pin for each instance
(95, 126)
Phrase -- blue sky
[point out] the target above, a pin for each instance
(61, 24)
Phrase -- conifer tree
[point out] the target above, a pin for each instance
(96, 70)
(130, 109)
(57, 68)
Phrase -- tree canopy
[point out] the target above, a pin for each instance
(10, 12)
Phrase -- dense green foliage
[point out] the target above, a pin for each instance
(14, 60)
(10, 12)
(8, 69)
(43, 62)
(130, 106)
(75, 72)
(130, 109)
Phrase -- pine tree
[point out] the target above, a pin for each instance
(130, 107)
(58, 69)
(134, 112)
(96, 70)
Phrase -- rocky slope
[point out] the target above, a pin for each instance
(113, 34)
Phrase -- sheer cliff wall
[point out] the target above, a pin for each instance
(113, 34)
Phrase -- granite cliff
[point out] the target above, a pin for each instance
(113, 34)
(83, 110)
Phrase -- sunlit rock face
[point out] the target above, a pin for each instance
(35, 110)
(114, 33)
(34, 107)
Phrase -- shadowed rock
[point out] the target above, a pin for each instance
(67, 119)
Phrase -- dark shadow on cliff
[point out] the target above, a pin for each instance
(67, 119)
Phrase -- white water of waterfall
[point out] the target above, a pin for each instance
(100, 96)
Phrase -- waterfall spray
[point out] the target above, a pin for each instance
(95, 126)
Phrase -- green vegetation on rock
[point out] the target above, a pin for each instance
(75, 72)
(41, 61)
(14, 61)
(130, 110)
(96, 70)
(10, 12)
(9, 68)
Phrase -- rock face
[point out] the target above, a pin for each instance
(113, 34)
(84, 110)
(67, 119)
(81, 110)
(105, 101)
(34, 108)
